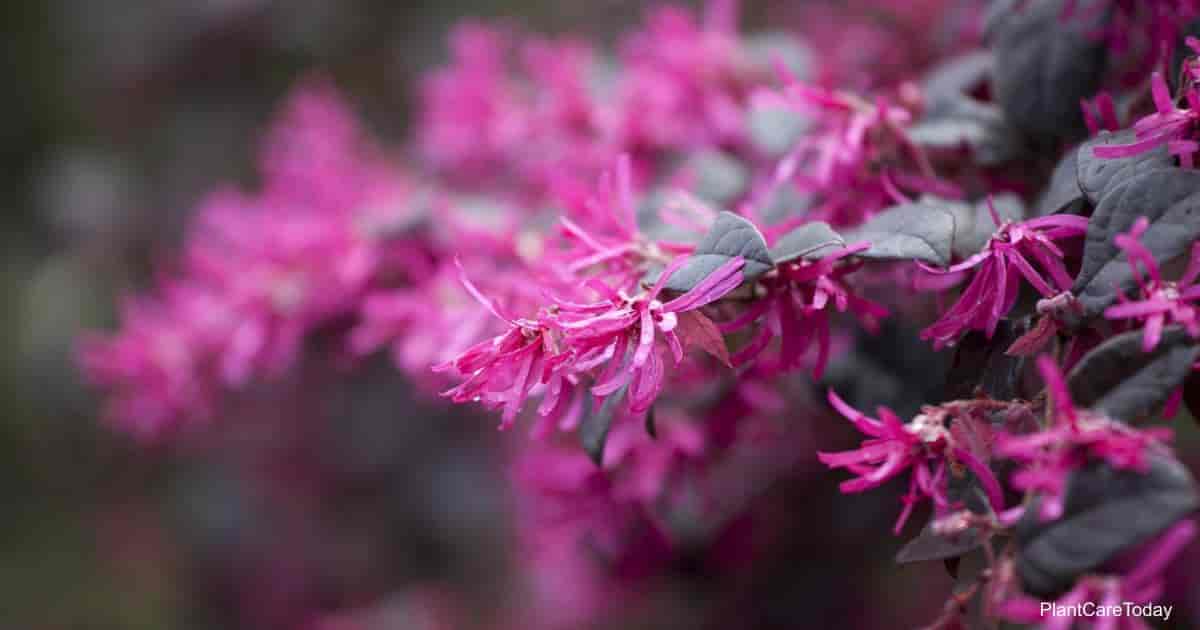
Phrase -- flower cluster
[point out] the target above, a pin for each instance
(261, 272)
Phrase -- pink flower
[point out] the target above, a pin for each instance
(625, 332)
(926, 445)
(502, 370)
(260, 270)
(1161, 302)
(1073, 438)
(1168, 126)
(800, 297)
(998, 271)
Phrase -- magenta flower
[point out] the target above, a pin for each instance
(502, 370)
(796, 309)
(624, 334)
(998, 271)
(1169, 126)
(925, 446)
(1161, 302)
(1073, 438)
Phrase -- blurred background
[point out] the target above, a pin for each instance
(121, 114)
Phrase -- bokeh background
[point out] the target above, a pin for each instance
(376, 507)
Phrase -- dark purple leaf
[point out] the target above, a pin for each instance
(729, 237)
(1170, 199)
(929, 545)
(979, 127)
(981, 363)
(809, 241)
(974, 224)
(1106, 511)
(912, 231)
(1063, 194)
(1191, 395)
(1046, 64)
(948, 83)
(1098, 176)
(952, 565)
(953, 119)
(1120, 379)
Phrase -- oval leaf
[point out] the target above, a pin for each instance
(809, 241)
(913, 231)
(967, 123)
(974, 225)
(1062, 194)
(1106, 511)
(1097, 176)
(729, 237)
(1120, 379)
